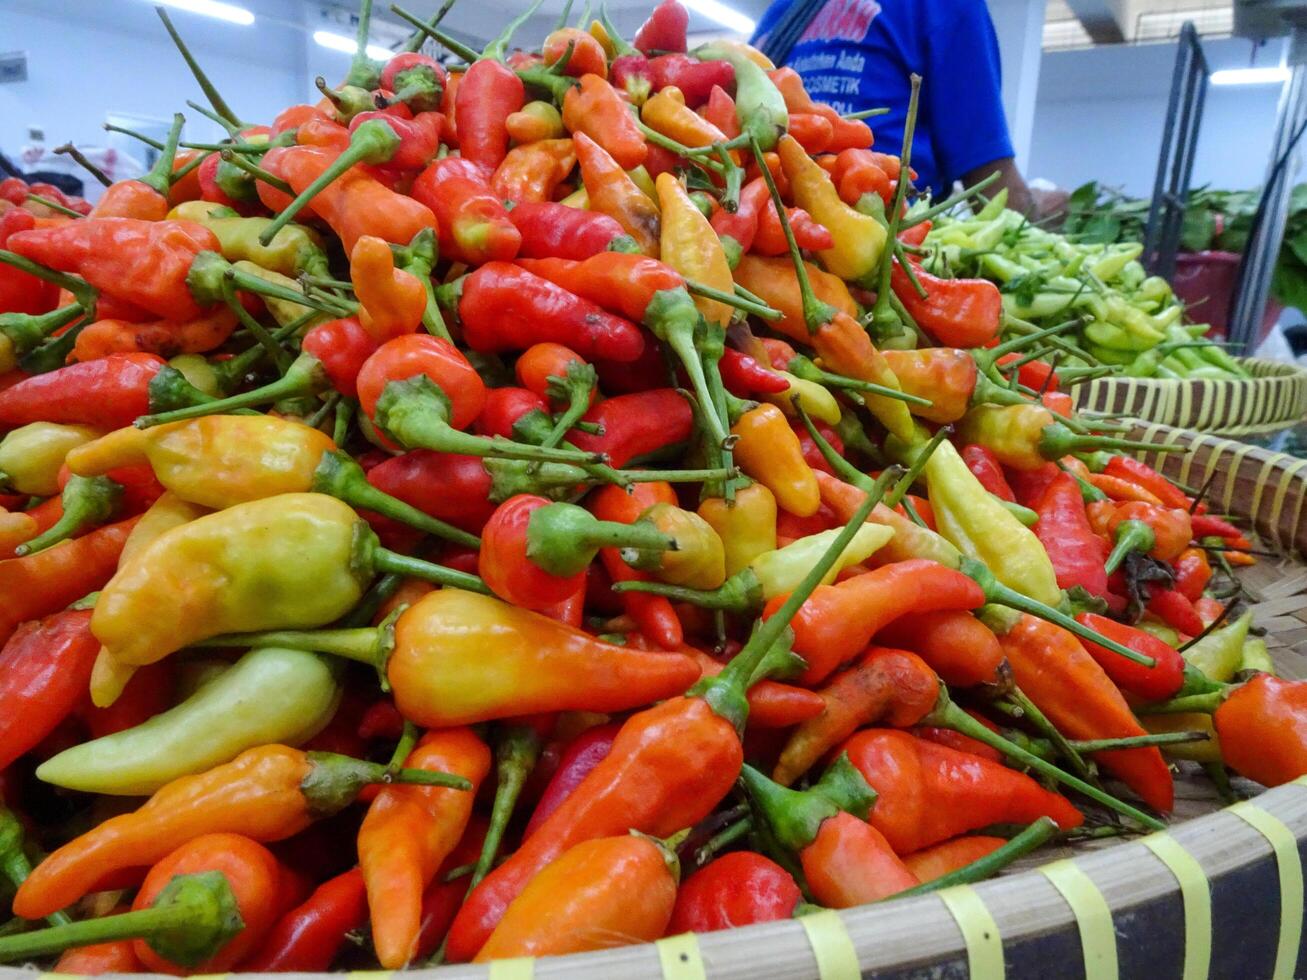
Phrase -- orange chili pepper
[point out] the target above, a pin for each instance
(533, 171)
(1263, 730)
(934, 862)
(613, 193)
(167, 338)
(587, 57)
(595, 109)
(1119, 489)
(407, 834)
(392, 301)
(956, 645)
(774, 281)
(769, 451)
(667, 113)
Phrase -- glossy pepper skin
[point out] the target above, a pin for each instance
(1063, 529)
(688, 245)
(145, 262)
(956, 312)
(511, 661)
(309, 936)
(838, 621)
(851, 863)
(613, 193)
(1060, 676)
(1263, 730)
(1156, 683)
(471, 222)
(110, 392)
(961, 649)
(596, 110)
(600, 893)
(737, 889)
(44, 669)
(505, 307)
(554, 231)
(216, 461)
(407, 834)
(774, 280)
(227, 578)
(532, 173)
(768, 450)
(392, 301)
(927, 793)
(746, 525)
(636, 425)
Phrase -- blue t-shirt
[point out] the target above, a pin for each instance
(858, 54)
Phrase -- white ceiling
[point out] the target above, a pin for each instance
(1137, 21)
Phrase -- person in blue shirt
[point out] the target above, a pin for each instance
(859, 54)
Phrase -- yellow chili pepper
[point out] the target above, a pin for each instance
(668, 114)
(30, 456)
(746, 525)
(816, 400)
(1209, 751)
(688, 244)
(979, 526)
(699, 558)
(217, 460)
(282, 310)
(236, 571)
(859, 238)
(293, 249)
(166, 513)
(768, 451)
(782, 570)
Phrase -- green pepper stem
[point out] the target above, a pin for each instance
(1131, 536)
(948, 715)
(369, 645)
(722, 840)
(419, 38)
(363, 71)
(816, 312)
(81, 290)
(343, 478)
(911, 220)
(884, 318)
(80, 158)
(440, 37)
(1035, 715)
(1139, 741)
(1195, 703)
(25, 331)
(672, 317)
(921, 456)
(384, 560)
(1033, 837)
(731, 299)
(578, 403)
(271, 179)
(13, 860)
(1056, 441)
(692, 154)
(219, 104)
(415, 412)
(54, 205)
(275, 351)
(88, 501)
(159, 177)
(515, 757)
(305, 376)
(809, 371)
(740, 594)
(53, 354)
(375, 141)
(192, 919)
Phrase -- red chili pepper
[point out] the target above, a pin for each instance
(532, 172)
(1192, 573)
(22, 292)
(1029, 485)
(417, 80)
(741, 225)
(111, 392)
(308, 938)
(1176, 610)
(812, 455)
(488, 94)
(342, 346)
(771, 241)
(986, 468)
(744, 377)
(504, 406)
(582, 754)
(696, 79)
(555, 231)
(1038, 375)
(118, 956)
(45, 668)
(415, 355)
(664, 29)
(1137, 471)
(419, 137)
(813, 132)
(1263, 730)
(737, 889)
(636, 425)
(1156, 683)
(956, 645)
(956, 312)
(1063, 528)
(587, 54)
(471, 222)
(1205, 526)
(448, 486)
(506, 307)
(145, 262)
(720, 108)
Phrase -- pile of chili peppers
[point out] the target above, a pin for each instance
(585, 522)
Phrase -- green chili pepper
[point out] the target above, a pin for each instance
(759, 105)
(1219, 654)
(270, 696)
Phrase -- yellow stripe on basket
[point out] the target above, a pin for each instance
(1093, 918)
(57, 976)
(1289, 865)
(1284, 537)
(979, 931)
(368, 974)
(518, 968)
(1231, 467)
(1263, 478)
(1196, 897)
(680, 957)
(836, 956)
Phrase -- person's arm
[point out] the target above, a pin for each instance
(1019, 197)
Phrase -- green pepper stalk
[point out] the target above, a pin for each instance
(419, 38)
(348, 100)
(209, 273)
(193, 918)
(914, 218)
(88, 502)
(219, 104)
(1131, 536)
(83, 292)
(563, 539)
(744, 592)
(1035, 836)
(995, 591)
(13, 859)
(415, 413)
(429, 30)
(80, 158)
(255, 171)
(885, 321)
(363, 71)
(21, 333)
(794, 817)
(372, 142)
(806, 369)
(946, 714)
(418, 258)
(576, 387)
(54, 205)
(516, 754)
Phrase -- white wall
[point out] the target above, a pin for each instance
(1099, 115)
(1019, 25)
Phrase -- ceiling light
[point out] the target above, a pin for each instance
(724, 15)
(1250, 76)
(213, 8)
(339, 42)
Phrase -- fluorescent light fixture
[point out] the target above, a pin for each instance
(1250, 76)
(213, 8)
(339, 42)
(724, 15)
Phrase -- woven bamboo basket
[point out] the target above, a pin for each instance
(1219, 894)
(1274, 398)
